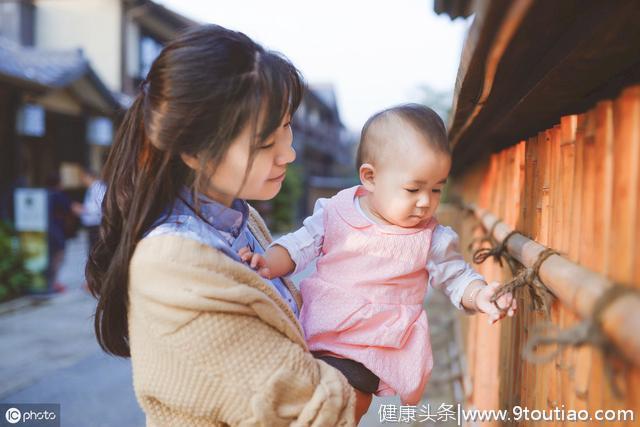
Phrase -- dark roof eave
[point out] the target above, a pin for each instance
(159, 21)
(24, 84)
(108, 97)
(171, 17)
(453, 8)
(549, 57)
(88, 73)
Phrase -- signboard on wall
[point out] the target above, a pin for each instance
(31, 209)
(32, 223)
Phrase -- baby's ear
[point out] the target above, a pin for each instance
(367, 176)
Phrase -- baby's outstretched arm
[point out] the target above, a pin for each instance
(477, 296)
(275, 262)
(465, 287)
(291, 251)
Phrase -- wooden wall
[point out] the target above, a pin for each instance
(576, 188)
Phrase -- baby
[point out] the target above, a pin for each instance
(377, 247)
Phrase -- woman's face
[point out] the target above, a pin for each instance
(267, 172)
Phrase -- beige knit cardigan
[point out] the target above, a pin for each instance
(213, 345)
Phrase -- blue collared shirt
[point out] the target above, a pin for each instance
(225, 229)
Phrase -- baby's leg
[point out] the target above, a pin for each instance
(363, 401)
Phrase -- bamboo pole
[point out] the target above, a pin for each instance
(600, 211)
(506, 335)
(531, 214)
(523, 189)
(546, 163)
(623, 247)
(582, 356)
(555, 211)
(567, 171)
(576, 287)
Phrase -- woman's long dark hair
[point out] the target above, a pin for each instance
(201, 91)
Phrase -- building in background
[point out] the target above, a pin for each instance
(69, 69)
(325, 148)
(67, 73)
(53, 105)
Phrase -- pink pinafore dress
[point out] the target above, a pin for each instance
(365, 301)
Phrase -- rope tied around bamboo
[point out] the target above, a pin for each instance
(588, 331)
(487, 237)
(529, 277)
(593, 331)
(523, 276)
(497, 251)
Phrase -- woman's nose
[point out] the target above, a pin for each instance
(287, 155)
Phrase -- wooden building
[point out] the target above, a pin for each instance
(545, 130)
(68, 70)
(52, 107)
(325, 148)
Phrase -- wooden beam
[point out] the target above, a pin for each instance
(522, 71)
(576, 287)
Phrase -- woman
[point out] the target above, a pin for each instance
(211, 342)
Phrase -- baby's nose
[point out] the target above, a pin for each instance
(423, 202)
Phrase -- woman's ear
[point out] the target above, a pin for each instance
(191, 161)
(367, 176)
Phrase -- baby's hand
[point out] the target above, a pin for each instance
(255, 261)
(506, 302)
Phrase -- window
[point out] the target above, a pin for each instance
(100, 131)
(10, 21)
(30, 120)
(16, 21)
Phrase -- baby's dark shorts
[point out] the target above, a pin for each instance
(358, 375)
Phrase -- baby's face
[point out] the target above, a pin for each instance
(408, 184)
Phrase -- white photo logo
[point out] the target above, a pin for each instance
(13, 415)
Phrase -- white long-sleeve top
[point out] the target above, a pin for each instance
(448, 271)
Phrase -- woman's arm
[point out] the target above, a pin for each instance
(207, 343)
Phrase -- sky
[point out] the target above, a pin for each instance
(376, 53)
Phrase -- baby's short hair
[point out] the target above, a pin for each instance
(422, 118)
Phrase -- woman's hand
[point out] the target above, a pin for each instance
(506, 302)
(255, 261)
(363, 400)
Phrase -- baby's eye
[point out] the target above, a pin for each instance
(437, 190)
(411, 190)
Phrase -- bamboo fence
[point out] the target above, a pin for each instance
(574, 188)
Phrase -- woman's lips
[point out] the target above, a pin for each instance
(279, 177)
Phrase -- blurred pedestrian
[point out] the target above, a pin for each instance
(63, 224)
(91, 213)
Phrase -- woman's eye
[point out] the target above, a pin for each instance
(266, 147)
(437, 190)
(411, 190)
(286, 125)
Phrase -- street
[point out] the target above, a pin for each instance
(50, 355)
